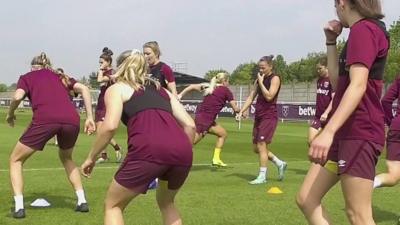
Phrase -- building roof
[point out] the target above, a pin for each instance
(6, 94)
(185, 79)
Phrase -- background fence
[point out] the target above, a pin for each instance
(295, 101)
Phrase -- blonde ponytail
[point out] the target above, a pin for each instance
(132, 70)
(216, 80)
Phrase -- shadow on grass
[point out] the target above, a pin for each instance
(210, 168)
(56, 201)
(299, 171)
(383, 215)
(243, 176)
(200, 167)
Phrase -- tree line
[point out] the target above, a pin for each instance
(304, 70)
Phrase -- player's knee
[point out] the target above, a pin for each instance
(306, 203)
(224, 134)
(352, 215)
(394, 174)
(255, 149)
(109, 204)
(301, 200)
(14, 158)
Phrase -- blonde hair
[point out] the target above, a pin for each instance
(132, 70)
(153, 45)
(217, 79)
(370, 9)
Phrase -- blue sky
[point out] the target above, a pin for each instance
(208, 34)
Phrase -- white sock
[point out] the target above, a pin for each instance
(377, 182)
(19, 202)
(276, 161)
(263, 173)
(81, 196)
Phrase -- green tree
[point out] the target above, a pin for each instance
(3, 87)
(211, 73)
(304, 69)
(85, 81)
(281, 68)
(392, 68)
(293, 71)
(244, 73)
(12, 87)
(93, 80)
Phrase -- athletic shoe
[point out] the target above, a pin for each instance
(101, 160)
(83, 207)
(218, 163)
(19, 214)
(281, 171)
(258, 180)
(153, 184)
(118, 155)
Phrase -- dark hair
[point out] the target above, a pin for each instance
(60, 70)
(106, 55)
(41, 60)
(268, 59)
(370, 9)
(65, 79)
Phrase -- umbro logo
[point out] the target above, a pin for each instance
(341, 163)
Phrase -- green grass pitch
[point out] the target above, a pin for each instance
(209, 196)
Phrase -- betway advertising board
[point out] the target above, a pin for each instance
(285, 111)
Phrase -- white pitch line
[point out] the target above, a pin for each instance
(115, 167)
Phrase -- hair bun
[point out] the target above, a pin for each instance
(107, 51)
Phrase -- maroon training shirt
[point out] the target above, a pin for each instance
(367, 44)
(49, 98)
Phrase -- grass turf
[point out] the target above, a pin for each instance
(209, 196)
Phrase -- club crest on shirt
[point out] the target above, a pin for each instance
(326, 84)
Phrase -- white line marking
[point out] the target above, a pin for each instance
(115, 167)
